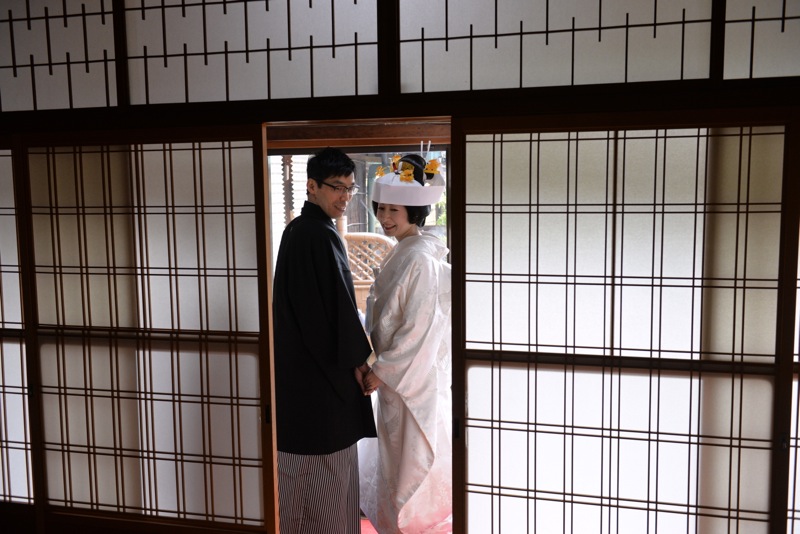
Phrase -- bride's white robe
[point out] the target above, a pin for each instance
(406, 476)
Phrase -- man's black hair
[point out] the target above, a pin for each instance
(329, 162)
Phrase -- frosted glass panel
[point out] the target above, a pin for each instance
(199, 417)
(660, 243)
(615, 451)
(762, 39)
(16, 483)
(196, 226)
(510, 44)
(156, 237)
(60, 55)
(199, 51)
(83, 246)
(10, 296)
(164, 430)
(90, 414)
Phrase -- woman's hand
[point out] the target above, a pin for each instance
(371, 382)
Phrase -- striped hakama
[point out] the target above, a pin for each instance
(318, 493)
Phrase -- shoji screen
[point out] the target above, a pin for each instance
(147, 286)
(448, 45)
(16, 483)
(621, 297)
(59, 54)
(73, 55)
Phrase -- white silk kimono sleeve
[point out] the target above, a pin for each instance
(410, 325)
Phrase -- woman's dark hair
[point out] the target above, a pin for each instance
(416, 214)
(419, 166)
(329, 162)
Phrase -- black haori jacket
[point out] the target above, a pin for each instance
(319, 340)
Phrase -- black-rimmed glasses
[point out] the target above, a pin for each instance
(340, 189)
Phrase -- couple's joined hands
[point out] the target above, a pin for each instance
(368, 380)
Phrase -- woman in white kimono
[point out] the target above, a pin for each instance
(406, 477)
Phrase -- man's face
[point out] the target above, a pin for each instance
(324, 195)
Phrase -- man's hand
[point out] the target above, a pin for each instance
(361, 373)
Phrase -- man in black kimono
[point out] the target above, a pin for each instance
(320, 354)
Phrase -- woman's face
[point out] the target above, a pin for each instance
(394, 220)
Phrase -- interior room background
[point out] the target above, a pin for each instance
(622, 212)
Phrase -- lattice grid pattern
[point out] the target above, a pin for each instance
(16, 484)
(63, 54)
(636, 245)
(148, 319)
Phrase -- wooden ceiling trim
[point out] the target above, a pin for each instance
(376, 133)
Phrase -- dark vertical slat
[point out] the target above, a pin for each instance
(13, 43)
(30, 344)
(87, 346)
(493, 180)
(570, 283)
(86, 54)
(521, 53)
(145, 68)
(164, 47)
(83, 243)
(422, 58)
(655, 17)
(289, 28)
(171, 224)
(34, 98)
(717, 50)
(572, 54)
(205, 33)
(785, 349)
(497, 334)
(121, 73)
(185, 58)
(694, 393)
(227, 67)
(355, 62)
(495, 23)
(457, 238)
(311, 64)
(178, 443)
(745, 277)
(116, 427)
(617, 244)
(49, 44)
(446, 25)
(683, 41)
(205, 353)
(609, 225)
(389, 48)
(333, 28)
(547, 22)
(233, 354)
(627, 45)
(533, 303)
(753, 20)
(246, 24)
(269, 70)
